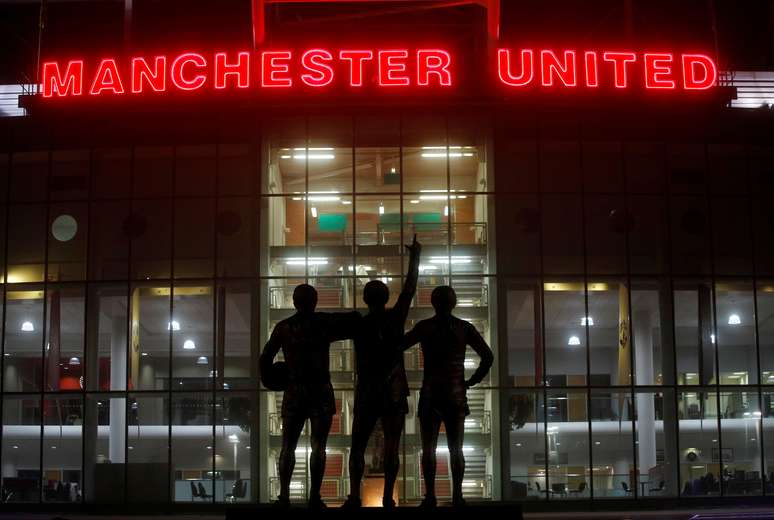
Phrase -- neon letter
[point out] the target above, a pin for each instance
(709, 74)
(433, 61)
(178, 67)
(658, 71)
(592, 72)
(504, 68)
(71, 85)
(619, 60)
(240, 69)
(274, 69)
(391, 62)
(356, 59)
(315, 61)
(107, 78)
(550, 65)
(141, 72)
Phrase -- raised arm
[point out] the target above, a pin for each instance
(270, 350)
(410, 287)
(411, 338)
(477, 343)
(343, 325)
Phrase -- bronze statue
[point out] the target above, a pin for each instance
(305, 340)
(381, 389)
(443, 395)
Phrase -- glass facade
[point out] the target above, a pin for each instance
(625, 285)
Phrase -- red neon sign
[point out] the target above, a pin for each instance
(394, 68)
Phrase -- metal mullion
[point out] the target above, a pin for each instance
(86, 305)
(402, 496)
(127, 358)
(632, 342)
(306, 200)
(217, 374)
(44, 328)
(170, 473)
(586, 312)
(5, 297)
(449, 209)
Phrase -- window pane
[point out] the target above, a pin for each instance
(474, 306)
(526, 433)
(727, 168)
(236, 170)
(732, 242)
(109, 232)
(520, 253)
(565, 335)
(112, 172)
(66, 318)
(21, 448)
(108, 338)
(192, 446)
(516, 165)
(687, 167)
(644, 164)
(740, 425)
(609, 332)
(378, 235)
(602, 167)
(694, 334)
(470, 233)
(562, 234)
(195, 170)
(329, 225)
(525, 345)
(766, 331)
(329, 155)
(653, 353)
(656, 429)
(690, 235)
(235, 228)
(150, 228)
(105, 458)
(648, 234)
(29, 176)
(23, 339)
(613, 444)
(425, 154)
(67, 241)
(236, 474)
(235, 356)
(62, 449)
(26, 243)
(607, 222)
(700, 468)
(148, 450)
(151, 328)
(153, 171)
(467, 157)
(194, 238)
(284, 236)
(192, 337)
(377, 154)
(560, 166)
(736, 333)
(568, 443)
(70, 174)
(285, 169)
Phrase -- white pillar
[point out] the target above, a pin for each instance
(117, 439)
(646, 414)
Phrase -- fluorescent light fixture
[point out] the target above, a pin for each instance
(144, 354)
(445, 260)
(740, 373)
(346, 202)
(233, 438)
(573, 341)
(75, 360)
(446, 211)
(307, 261)
(27, 326)
(320, 196)
(597, 443)
(393, 170)
(465, 449)
(202, 360)
(469, 363)
(314, 153)
(757, 414)
(470, 483)
(381, 209)
(712, 338)
(434, 152)
(518, 445)
(314, 212)
(734, 319)
(173, 325)
(425, 267)
(587, 320)
(414, 201)
(189, 345)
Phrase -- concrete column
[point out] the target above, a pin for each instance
(666, 317)
(646, 413)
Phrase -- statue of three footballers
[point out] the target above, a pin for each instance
(381, 388)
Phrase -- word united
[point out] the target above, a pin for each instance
(372, 68)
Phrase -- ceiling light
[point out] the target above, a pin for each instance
(75, 361)
(423, 267)
(305, 261)
(202, 360)
(587, 321)
(573, 341)
(346, 202)
(454, 260)
(173, 325)
(233, 438)
(314, 212)
(414, 201)
(712, 338)
(144, 354)
(301, 154)
(393, 170)
(446, 211)
(469, 363)
(189, 345)
(27, 326)
(734, 319)
(597, 443)
(381, 209)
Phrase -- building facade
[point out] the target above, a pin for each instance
(615, 253)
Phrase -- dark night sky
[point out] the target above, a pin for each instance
(96, 28)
